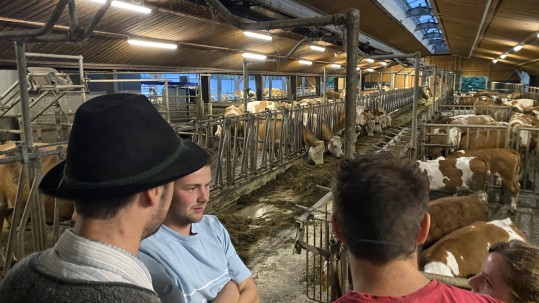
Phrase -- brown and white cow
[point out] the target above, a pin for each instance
(497, 112)
(332, 142)
(462, 252)
(230, 111)
(454, 175)
(315, 148)
(520, 104)
(482, 138)
(9, 177)
(526, 139)
(448, 214)
(503, 162)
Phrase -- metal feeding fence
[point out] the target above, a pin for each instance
(327, 276)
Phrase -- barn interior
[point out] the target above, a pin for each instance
(194, 58)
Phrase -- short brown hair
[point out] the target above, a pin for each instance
(379, 201)
(521, 269)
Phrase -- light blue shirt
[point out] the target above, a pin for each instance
(198, 265)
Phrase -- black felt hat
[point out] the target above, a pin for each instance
(120, 145)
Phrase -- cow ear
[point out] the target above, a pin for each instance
(424, 228)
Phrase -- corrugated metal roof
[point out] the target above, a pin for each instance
(206, 40)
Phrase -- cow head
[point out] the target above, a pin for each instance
(316, 152)
(360, 116)
(335, 146)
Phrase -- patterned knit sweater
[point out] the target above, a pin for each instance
(28, 281)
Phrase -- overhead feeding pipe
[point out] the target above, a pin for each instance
(337, 19)
(25, 33)
(300, 42)
(75, 32)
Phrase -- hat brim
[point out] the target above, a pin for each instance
(191, 159)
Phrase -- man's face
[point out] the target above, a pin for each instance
(161, 211)
(189, 199)
(489, 281)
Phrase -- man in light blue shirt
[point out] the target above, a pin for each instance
(191, 257)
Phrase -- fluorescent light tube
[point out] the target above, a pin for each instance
(317, 48)
(383, 63)
(502, 56)
(335, 65)
(258, 35)
(370, 60)
(152, 44)
(494, 61)
(305, 62)
(128, 6)
(518, 47)
(369, 70)
(254, 56)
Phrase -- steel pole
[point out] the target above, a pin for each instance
(23, 90)
(245, 84)
(414, 105)
(352, 34)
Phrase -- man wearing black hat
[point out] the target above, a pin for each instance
(121, 162)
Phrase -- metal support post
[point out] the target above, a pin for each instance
(414, 106)
(352, 37)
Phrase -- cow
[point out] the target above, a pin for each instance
(315, 148)
(440, 138)
(482, 138)
(230, 111)
(462, 252)
(497, 112)
(261, 106)
(372, 123)
(330, 94)
(503, 162)
(472, 120)
(359, 123)
(270, 131)
(9, 174)
(275, 92)
(448, 214)
(520, 104)
(526, 139)
(454, 175)
(332, 141)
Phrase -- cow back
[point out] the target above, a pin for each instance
(452, 213)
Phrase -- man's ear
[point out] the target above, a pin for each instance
(337, 228)
(151, 196)
(424, 228)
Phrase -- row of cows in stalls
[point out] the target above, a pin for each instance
(321, 127)
(494, 140)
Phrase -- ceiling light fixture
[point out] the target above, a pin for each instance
(502, 56)
(494, 61)
(317, 48)
(258, 35)
(370, 70)
(254, 56)
(152, 44)
(357, 68)
(335, 65)
(383, 63)
(305, 62)
(518, 47)
(128, 6)
(370, 60)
